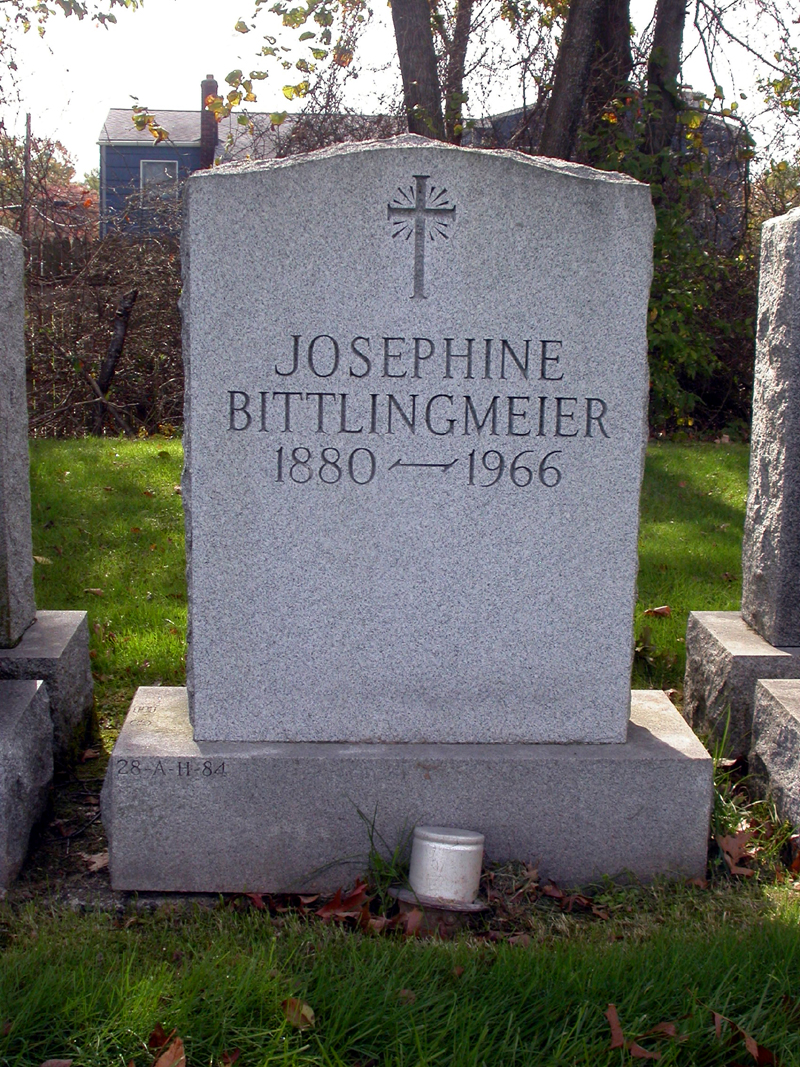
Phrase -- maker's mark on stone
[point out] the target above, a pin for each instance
(425, 211)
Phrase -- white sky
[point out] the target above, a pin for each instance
(70, 79)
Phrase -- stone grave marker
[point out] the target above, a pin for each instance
(414, 429)
(727, 652)
(17, 607)
(45, 672)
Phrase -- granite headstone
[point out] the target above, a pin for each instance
(17, 607)
(421, 454)
(415, 417)
(771, 547)
(727, 652)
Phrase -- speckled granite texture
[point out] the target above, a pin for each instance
(26, 769)
(415, 424)
(17, 606)
(233, 817)
(724, 660)
(55, 648)
(775, 754)
(771, 548)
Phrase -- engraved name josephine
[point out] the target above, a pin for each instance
(425, 392)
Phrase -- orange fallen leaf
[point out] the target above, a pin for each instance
(297, 1012)
(733, 849)
(640, 1053)
(159, 1037)
(414, 922)
(617, 1037)
(97, 861)
(173, 1055)
(149, 492)
(665, 610)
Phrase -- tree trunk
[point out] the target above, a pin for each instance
(454, 79)
(613, 59)
(663, 97)
(106, 375)
(571, 78)
(421, 92)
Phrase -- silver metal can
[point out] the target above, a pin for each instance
(446, 864)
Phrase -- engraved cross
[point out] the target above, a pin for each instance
(420, 212)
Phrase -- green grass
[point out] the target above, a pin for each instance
(107, 517)
(91, 987)
(690, 547)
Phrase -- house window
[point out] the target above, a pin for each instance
(158, 176)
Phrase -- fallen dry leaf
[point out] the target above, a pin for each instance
(298, 1013)
(90, 753)
(617, 1037)
(640, 1053)
(45, 563)
(349, 906)
(413, 921)
(257, 900)
(664, 610)
(733, 849)
(96, 862)
(94, 592)
(520, 939)
(57, 1063)
(458, 970)
(406, 996)
(178, 489)
(173, 1055)
(698, 883)
(148, 492)
(229, 1058)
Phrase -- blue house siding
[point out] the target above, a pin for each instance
(120, 171)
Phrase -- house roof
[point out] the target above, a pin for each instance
(118, 128)
(235, 141)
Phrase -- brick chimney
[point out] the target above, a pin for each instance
(208, 124)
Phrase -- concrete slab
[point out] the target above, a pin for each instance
(56, 649)
(191, 816)
(724, 659)
(775, 755)
(26, 769)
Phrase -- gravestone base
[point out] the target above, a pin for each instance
(724, 660)
(26, 769)
(55, 648)
(775, 754)
(216, 816)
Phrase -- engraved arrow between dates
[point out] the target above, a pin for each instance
(441, 466)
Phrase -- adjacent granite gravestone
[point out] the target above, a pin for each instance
(52, 646)
(26, 769)
(37, 721)
(17, 607)
(726, 652)
(414, 436)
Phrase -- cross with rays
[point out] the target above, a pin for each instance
(416, 214)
